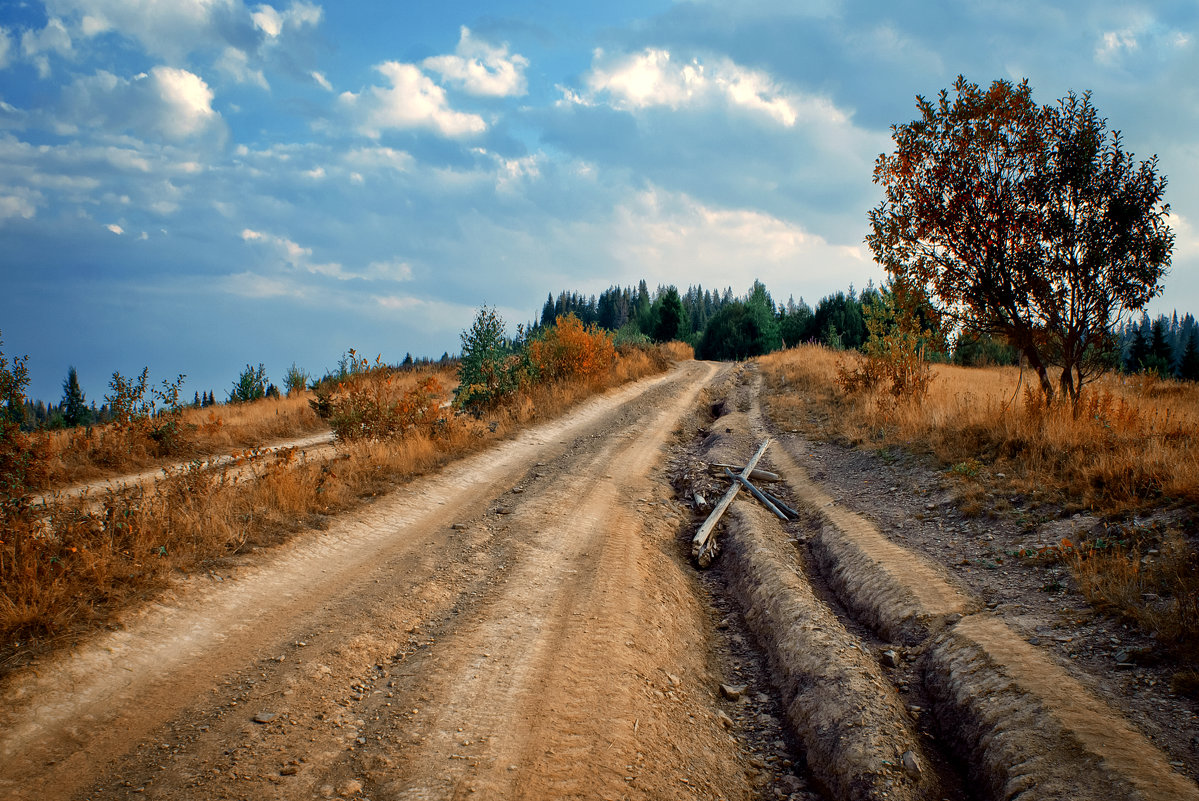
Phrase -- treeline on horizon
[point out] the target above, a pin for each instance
(73, 410)
(718, 324)
(723, 326)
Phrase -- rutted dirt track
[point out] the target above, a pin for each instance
(515, 626)
(525, 624)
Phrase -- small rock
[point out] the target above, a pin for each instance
(1123, 656)
(517, 490)
(889, 658)
(1001, 475)
(265, 717)
(733, 692)
(674, 680)
(910, 764)
(349, 788)
(724, 720)
(290, 770)
(503, 510)
(723, 624)
(459, 527)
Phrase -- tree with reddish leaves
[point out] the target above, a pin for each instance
(1024, 221)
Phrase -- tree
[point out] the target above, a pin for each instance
(670, 319)
(483, 374)
(295, 380)
(1188, 365)
(23, 463)
(1023, 221)
(738, 331)
(1161, 355)
(250, 385)
(1138, 351)
(74, 407)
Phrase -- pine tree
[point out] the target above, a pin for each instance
(74, 407)
(1188, 366)
(1138, 352)
(1161, 358)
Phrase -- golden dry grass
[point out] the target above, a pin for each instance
(1132, 446)
(1134, 441)
(73, 565)
(80, 455)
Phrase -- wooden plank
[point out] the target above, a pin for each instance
(756, 475)
(701, 542)
(757, 493)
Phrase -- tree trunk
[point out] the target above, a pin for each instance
(1034, 361)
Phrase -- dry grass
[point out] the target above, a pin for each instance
(1134, 442)
(1132, 447)
(77, 562)
(80, 455)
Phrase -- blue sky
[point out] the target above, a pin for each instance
(197, 184)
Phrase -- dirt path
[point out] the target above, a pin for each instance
(314, 446)
(520, 625)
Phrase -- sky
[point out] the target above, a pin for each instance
(197, 185)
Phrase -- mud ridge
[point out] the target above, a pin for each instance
(1024, 726)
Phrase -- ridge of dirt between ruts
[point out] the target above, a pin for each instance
(122, 707)
(1048, 735)
(858, 738)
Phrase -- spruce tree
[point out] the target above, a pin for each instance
(1138, 352)
(1188, 367)
(74, 407)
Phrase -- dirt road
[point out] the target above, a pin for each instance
(520, 625)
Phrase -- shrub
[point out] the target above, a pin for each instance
(374, 405)
(251, 385)
(568, 350)
(295, 380)
(22, 457)
(487, 373)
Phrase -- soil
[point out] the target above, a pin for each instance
(919, 506)
(527, 623)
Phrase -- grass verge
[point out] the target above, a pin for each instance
(1132, 449)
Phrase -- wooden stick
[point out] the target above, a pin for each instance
(777, 501)
(701, 540)
(756, 475)
(757, 493)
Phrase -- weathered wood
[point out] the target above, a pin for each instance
(780, 503)
(701, 542)
(755, 475)
(757, 493)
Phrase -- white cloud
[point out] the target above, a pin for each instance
(321, 80)
(674, 236)
(36, 45)
(389, 271)
(380, 158)
(173, 102)
(480, 68)
(252, 285)
(116, 229)
(187, 98)
(5, 47)
(268, 20)
(652, 78)
(413, 101)
(236, 64)
(316, 173)
(1113, 44)
(18, 202)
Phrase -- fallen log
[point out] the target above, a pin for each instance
(757, 493)
(701, 543)
(755, 475)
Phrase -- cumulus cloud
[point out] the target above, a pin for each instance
(116, 229)
(480, 68)
(670, 234)
(377, 158)
(236, 64)
(321, 80)
(413, 101)
(37, 45)
(175, 103)
(18, 202)
(654, 78)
